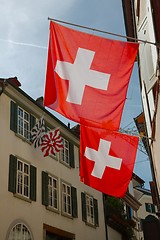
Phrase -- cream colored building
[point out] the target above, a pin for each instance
(142, 21)
(146, 209)
(42, 198)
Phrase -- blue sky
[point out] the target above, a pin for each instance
(24, 32)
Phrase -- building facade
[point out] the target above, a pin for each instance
(147, 210)
(142, 20)
(41, 197)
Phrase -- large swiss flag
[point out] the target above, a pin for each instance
(87, 76)
(107, 159)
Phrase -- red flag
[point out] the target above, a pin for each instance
(87, 76)
(52, 143)
(107, 159)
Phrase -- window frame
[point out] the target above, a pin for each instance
(90, 215)
(64, 154)
(23, 225)
(45, 196)
(53, 190)
(70, 152)
(22, 175)
(149, 207)
(14, 121)
(13, 179)
(23, 123)
(67, 204)
(45, 191)
(85, 215)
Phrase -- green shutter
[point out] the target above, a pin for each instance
(13, 117)
(71, 155)
(74, 202)
(146, 207)
(84, 212)
(32, 121)
(153, 208)
(33, 182)
(12, 174)
(45, 188)
(95, 204)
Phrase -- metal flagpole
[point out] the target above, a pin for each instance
(102, 31)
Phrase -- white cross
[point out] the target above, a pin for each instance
(102, 158)
(79, 74)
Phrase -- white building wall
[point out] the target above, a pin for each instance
(113, 235)
(147, 52)
(149, 75)
(34, 214)
(142, 213)
(155, 149)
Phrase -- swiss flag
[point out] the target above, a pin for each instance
(107, 159)
(87, 76)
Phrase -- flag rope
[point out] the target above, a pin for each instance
(106, 32)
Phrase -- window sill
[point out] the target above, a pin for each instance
(23, 139)
(91, 225)
(22, 197)
(52, 209)
(54, 157)
(65, 164)
(66, 215)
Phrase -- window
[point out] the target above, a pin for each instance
(50, 195)
(23, 183)
(129, 212)
(22, 178)
(53, 192)
(20, 231)
(21, 121)
(69, 200)
(147, 53)
(150, 207)
(67, 153)
(66, 198)
(89, 209)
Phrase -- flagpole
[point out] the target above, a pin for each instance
(102, 31)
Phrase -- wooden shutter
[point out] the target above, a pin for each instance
(13, 116)
(84, 212)
(71, 155)
(12, 174)
(33, 182)
(74, 202)
(45, 188)
(148, 207)
(153, 208)
(32, 121)
(96, 219)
